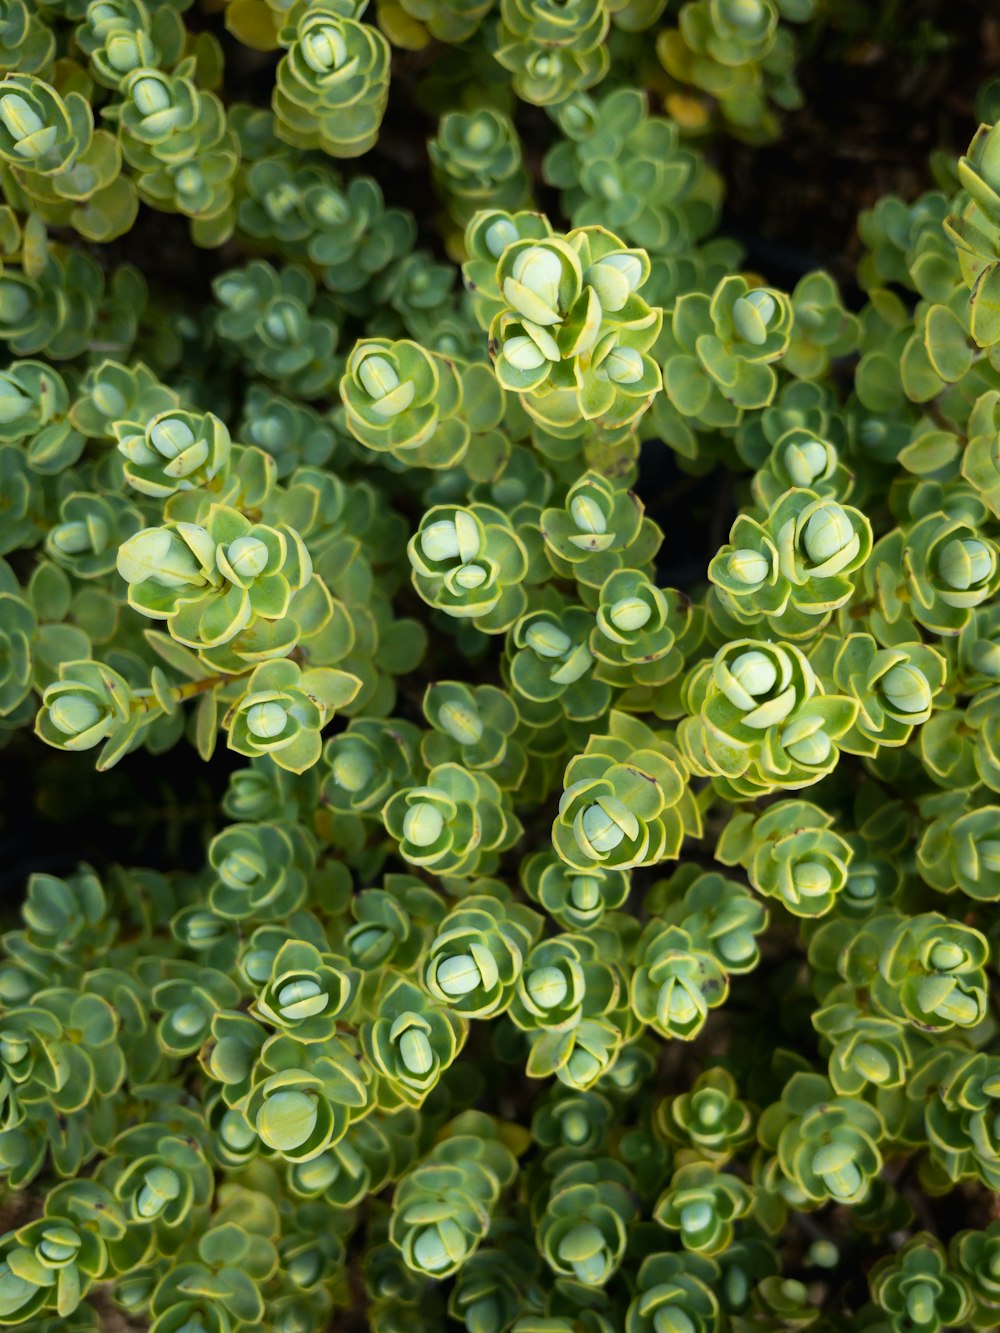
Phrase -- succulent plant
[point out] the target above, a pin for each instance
(589, 924)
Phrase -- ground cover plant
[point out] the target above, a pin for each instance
(499, 666)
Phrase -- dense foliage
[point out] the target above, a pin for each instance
(571, 953)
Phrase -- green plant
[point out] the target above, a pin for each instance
(499, 699)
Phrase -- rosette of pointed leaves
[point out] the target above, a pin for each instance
(91, 705)
(476, 162)
(962, 853)
(625, 801)
(719, 350)
(307, 992)
(279, 325)
(576, 899)
(304, 1097)
(293, 434)
(759, 720)
(188, 1001)
(470, 563)
(675, 1291)
(475, 959)
(368, 762)
(173, 451)
(455, 824)
(583, 1230)
(178, 139)
(406, 401)
(473, 726)
(442, 1208)
(111, 392)
(160, 116)
(551, 667)
(932, 970)
(793, 570)
(284, 709)
(826, 1146)
(51, 1263)
(917, 1290)
(642, 631)
(895, 687)
(553, 49)
(221, 1279)
(409, 1040)
(599, 528)
(486, 237)
(624, 169)
(573, 335)
(675, 984)
(261, 869)
(572, 1124)
(791, 853)
(345, 227)
(936, 572)
(710, 1118)
(90, 530)
(333, 82)
(701, 1203)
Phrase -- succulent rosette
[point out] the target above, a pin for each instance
(599, 527)
(475, 958)
(936, 572)
(625, 801)
(584, 1229)
(675, 984)
(332, 85)
(173, 451)
(211, 582)
(895, 687)
(551, 664)
(404, 400)
(793, 570)
(642, 630)
(307, 992)
(573, 336)
(410, 1041)
(469, 563)
(284, 709)
(759, 719)
(576, 899)
(455, 824)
